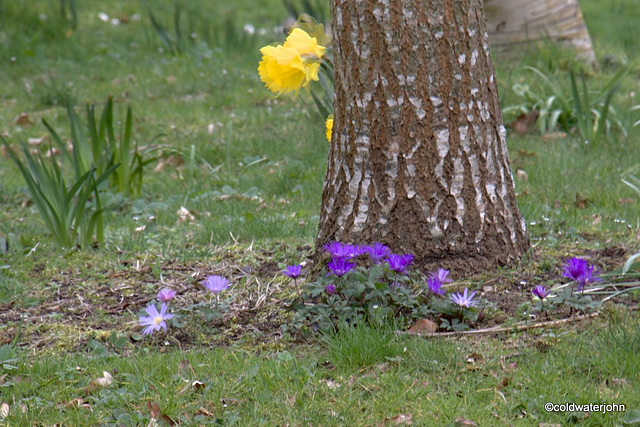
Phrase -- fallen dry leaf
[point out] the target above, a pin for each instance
(168, 161)
(157, 414)
(4, 410)
(53, 151)
(616, 382)
(77, 403)
(185, 216)
(24, 120)
(504, 383)
(552, 136)
(104, 381)
(400, 419)
(461, 422)
(423, 326)
(522, 175)
(626, 201)
(475, 359)
(331, 384)
(204, 411)
(526, 153)
(38, 141)
(195, 385)
(523, 123)
(581, 202)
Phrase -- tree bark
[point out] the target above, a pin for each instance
(418, 156)
(511, 23)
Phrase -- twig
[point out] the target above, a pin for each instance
(514, 328)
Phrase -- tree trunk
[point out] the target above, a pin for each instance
(418, 156)
(511, 23)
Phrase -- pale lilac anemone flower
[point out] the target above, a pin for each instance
(166, 295)
(215, 284)
(464, 299)
(155, 320)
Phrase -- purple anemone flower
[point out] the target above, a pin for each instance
(464, 299)
(155, 320)
(399, 263)
(377, 252)
(357, 250)
(441, 275)
(580, 271)
(341, 266)
(340, 250)
(293, 271)
(216, 284)
(330, 289)
(435, 285)
(166, 295)
(541, 292)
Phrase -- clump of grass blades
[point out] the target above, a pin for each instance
(189, 25)
(357, 346)
(101, 149)
(69, 211)
(591, 112)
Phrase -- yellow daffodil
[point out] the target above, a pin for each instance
(329, 124)
(294, 65)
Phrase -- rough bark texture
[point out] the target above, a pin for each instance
(418, 158)
(511, 23)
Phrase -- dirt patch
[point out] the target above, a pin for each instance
(75, 308)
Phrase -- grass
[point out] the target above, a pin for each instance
(491, 381)
(249, 170)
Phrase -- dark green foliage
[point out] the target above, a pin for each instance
(592, 114)
(71, 212)
(560, 108)
(96, 144)
(374, 295)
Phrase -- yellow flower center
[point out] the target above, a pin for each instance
(157, 320)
